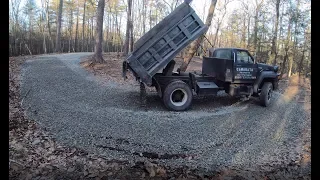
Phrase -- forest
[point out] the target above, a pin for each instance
(277, 32)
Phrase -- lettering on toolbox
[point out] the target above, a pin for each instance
(244, 73)
(245, 69)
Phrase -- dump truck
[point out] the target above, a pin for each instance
(233, 70)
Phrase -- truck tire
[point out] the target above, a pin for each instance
(266, 94)
(177, 96)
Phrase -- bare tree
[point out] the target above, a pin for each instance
(97, 58)
(286, 48)
(302, 57)
(258, 5)
(48, 24)
(70, 28)
(15, 4)
(126, 44)
(274, 53)
(144, 4)
(296, 18)
(58, 38)
(83, 23)
(42, 28)
(173, 4)
(247, 11)
(195, 44)
(220, 20)
(77, 29)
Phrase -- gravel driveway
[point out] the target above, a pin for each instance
(81, 110)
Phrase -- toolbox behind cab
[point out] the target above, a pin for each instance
(155, 49)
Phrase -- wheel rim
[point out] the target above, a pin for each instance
(269, 94)
(178, 97)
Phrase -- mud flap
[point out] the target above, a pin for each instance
(124, 70)
(143, 95)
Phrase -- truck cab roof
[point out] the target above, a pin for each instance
(231, 48)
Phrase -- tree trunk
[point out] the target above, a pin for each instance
(243, 35)
(255, 33)
(309, 63)
(301, 62)
(195, 44)
(28, 49)
(280, 32)
(30, 14)
(286, 48)
(119, 35)
(88, 36)
(48, 26)
(150, 20)
(83, 22)
(92, 36)
(144, 16)
(113, 33)
(274, 40)
(131, 32)
(218, 28)
(42, 30)
(71, 27)
(108, 31)
(290, 66)
(58, 38)
(99, 33)
(109, 47)
(303, 52)
(131, 37)
(126, 44)
(116, 33)
(44, 42)
(77, 30)
(284, 63)
(295, 39)
(248, 40)
(216, 36)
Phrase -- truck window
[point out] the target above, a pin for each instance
(223, 53)
(243, 57)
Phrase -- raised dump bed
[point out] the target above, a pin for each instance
(154, 50)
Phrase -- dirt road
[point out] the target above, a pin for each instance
(82, 110)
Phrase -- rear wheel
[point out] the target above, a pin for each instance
(266, 94)
(177, 96)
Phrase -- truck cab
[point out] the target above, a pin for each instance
(238, 68)
(244, 69)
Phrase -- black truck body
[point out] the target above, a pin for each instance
(233, 70)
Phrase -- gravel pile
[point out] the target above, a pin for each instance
(105, 117)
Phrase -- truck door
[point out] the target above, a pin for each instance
(245, 70)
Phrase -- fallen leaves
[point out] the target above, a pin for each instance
(111, 70)
(154, 169)
(150, 167)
